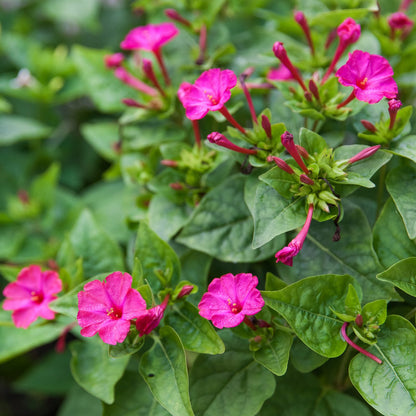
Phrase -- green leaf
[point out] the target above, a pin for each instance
(231, 383)
(163, 368)
(404, 147)
(391, 241)
(353, 254)
(94, 370)
(398, 182)
(100, 84)
(17, 128)
(274, 354)
(389, 387)
(15, 341)
(273, 214)
(311, 141)
(166, 217)
(159, 262)
(100, 253)
(301, 394)
(195, 332)
(313, 321)
(133, 398)
(402, 274)
(79, 402)
(103, 137)
(273, 282)
(222, 227)
(280, 180)
(304, 359)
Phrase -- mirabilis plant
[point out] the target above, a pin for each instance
(253, 244)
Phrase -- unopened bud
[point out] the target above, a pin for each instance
(267, 127)
(114, 60)
(313, 88)
(365, 153)
(306, 179)
(168, 162)
(369, 126)
(130, 102)
(186, 290)
(281, 164)
(220, 140)
(359, 320)
(288, 143)
(174, 15)
(176, 186)
(302, 151)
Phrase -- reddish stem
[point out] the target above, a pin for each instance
(248, 98)
(347, 100)
(339, 51)
(202, 45)
(357, 347)
(159, 58)
(197, 133)
(231, 119)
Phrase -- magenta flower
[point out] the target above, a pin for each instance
(209, 92)
(371, 76)
(107, 307)
(147, 322)
(286, 254)
(149, 37)
(29, 296)
(230, 298)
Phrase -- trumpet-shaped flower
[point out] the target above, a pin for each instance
(230, 298)
(29, 296)
(107, 307)
(286, 254)
(209, 92)
(150, 37)
(371, 76)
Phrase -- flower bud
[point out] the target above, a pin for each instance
(369, 126)
(265, 123)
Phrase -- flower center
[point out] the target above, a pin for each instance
(234, 307)
(114, 313)
(211, 99)
(36, 297)
(362, 83)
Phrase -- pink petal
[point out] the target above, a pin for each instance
(114, 331)
(117, 285)
(51, 283)
(22, 318)
(30, 277)
(227, 320)
(15, 290)
(134, 304)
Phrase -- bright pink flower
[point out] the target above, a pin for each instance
(29, 296)
(147, 322)
(114, 60)
(371, 76)
(107, 307)
(230, 298)
(209, 92)
(400, 21)
(149, 37)
(286, 254)
(281, 73)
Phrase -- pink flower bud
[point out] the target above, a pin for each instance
(114, 60)
(281, 54)
(394, 106)
(313, 88)
(400, 21)
(288, 143)
(281, 164)
(303, 23)
(186, 290)
(302, 151)
(122, 74)
(176, 186)
(265, 123)
(130, 102)
(306, 179)
(349, 31)
(170, 163)
(222, 141)
(174, 15)
(365, 153)
(369, 126)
